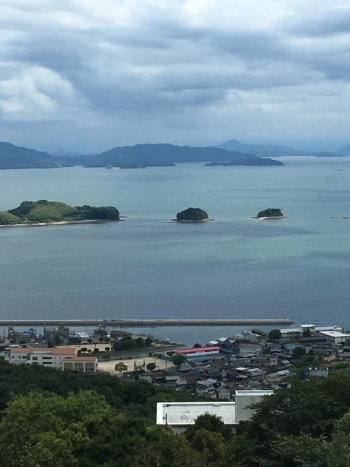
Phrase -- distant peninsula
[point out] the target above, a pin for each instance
(262, 150)
(159, 155)
(138, 156)
(270, 213)
(265, 162)
(192, 215)
(44, 212)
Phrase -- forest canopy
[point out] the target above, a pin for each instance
(271, 212)
(29, 212)
(192, 214)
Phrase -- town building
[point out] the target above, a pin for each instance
(335, 337)
(55, 357)
(84, 364)
(311, 329)
(245, 400)
(199, 353)
(179, 415)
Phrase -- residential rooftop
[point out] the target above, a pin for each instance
(197, 349)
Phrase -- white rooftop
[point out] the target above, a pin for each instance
(186, 413)
(254, 392)
(286, 331)
(334, 334)
(328, 328)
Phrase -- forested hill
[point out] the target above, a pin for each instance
(262, 150)
(51, 418)
(141, 155)
(16, 157)
(166, 154)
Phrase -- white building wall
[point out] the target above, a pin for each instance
(19, 357)
(246, 398)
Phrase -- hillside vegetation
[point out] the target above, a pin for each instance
(50, 418)
(192, 214)
(54, 211)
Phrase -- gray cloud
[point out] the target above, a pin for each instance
(178, 71)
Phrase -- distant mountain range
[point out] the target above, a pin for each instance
(65, 154)
(15, 157)
(167, 154)
(270, 150)
(153, 155)
(141, 155)
(262, 150)
(345, 151)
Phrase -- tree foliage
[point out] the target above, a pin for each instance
(50, 418)
(178, 359)
(121, 367)
(298, 352)
(192, 214)
(275, 334)
(53, 211)
(271, 212)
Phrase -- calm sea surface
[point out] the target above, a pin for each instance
(147, 267)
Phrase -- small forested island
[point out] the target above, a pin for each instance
(270, 213)
(45, 212)
(192, 215)
(249, 162)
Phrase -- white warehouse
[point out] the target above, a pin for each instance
(179, 415)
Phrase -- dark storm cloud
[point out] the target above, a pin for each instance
(124, 60)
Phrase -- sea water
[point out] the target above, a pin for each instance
(148, 267)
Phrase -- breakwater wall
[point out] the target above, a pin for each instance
(143, 323)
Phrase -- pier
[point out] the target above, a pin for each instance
(142, 323)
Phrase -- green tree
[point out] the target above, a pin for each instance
(212, 446)
(121, 367)
(151, 366)
(117, 345)
(7, 219)
(37, 430)
(178, 359)
(192, 214)
(211, 423)
(275, 334)
(309, 408)
(302, 451)
(148, 341)
(165, 449)
(140, 342)
(339, 448)
(298, 352)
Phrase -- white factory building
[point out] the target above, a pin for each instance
(179, 415)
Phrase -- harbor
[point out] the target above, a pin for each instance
(143, 323)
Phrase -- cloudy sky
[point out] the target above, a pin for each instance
(88, 75)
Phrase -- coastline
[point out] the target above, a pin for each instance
(181, 221)
(269, 218)
(46, 224)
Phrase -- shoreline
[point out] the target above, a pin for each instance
(181, 221)
(269, 218)
(46, 224)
